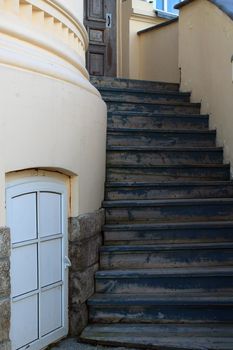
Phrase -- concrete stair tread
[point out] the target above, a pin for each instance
(160, 272)
(152, 114)
(174, 166)
(142, 91)
(168, 184)
(162, 131)
(166, 272)
(172, 149)
(143, 227)
(163, 247)
(147, 84)
(165, 202)
(175, 298)
(162, 337)
(154, 103)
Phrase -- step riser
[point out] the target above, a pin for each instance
(160, 284)
(168, 174)
(163, 157)
(134, 84)
(166, 259)
(215, 235)
(143, 98)
(168, 192)
(158, 122)
(161, 140)
(169, 213)
(157, 109)
(161, 314)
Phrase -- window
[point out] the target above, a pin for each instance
(166, 6)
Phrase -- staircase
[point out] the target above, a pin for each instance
(166, 267)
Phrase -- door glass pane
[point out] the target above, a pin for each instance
(51, 310)
(24, 321)
(49, 214)
(51, 262)
(22, 218)
(24, 269)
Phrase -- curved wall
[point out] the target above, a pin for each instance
(50, 115)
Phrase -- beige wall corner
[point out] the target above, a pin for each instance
(205, 51)
(159, 53)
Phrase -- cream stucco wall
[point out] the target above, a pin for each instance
(205, 51)
(135, 15)
(51, 116)
(159, 54)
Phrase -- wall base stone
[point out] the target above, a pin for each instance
(5, 288)
(85, 240)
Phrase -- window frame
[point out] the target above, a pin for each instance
(165, 7)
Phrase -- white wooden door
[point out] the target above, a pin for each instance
(37, 217)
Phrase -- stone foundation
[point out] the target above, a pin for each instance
(4, 288)
(85, 239)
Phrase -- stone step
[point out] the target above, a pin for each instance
(143, 96)
(150, 156)
(166, 255)
(178, 233)
(160, 138)
(161, 337)
(156, 108)
(105, 82)
(168, 190)
(176, 172)
(165, 280)
(165, 308)
(151, 121)
(174, 210)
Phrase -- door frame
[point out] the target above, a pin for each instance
(36, 184)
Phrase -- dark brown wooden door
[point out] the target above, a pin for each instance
(100, 21)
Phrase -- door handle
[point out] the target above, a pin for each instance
(67, 262)
(108, 20)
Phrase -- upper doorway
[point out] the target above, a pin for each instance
(100, 22)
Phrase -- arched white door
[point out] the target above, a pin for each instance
(37, 217)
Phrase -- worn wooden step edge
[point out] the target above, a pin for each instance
(165, 272)
(144, 249)
(93, 78)
(166, 202)
(165, 226)
(172, 166)
(132, 91)
(110, 100)
(168, 184)
(192, 299)
(161, 131)
(151, 114)
(163, 149)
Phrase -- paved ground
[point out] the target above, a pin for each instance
(72, 344)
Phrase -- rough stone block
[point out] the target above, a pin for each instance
(85, 253)
(4, 277)
(86, 225)
(82, 285)
(6, 345)
(4, 319)
(4, 242)
(78, 319)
